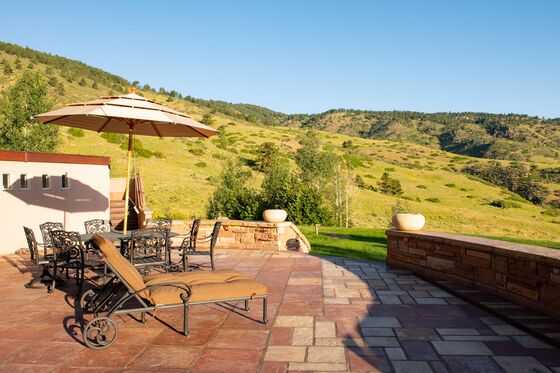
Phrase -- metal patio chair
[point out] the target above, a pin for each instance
(166, 290)
(69, 254)
(191, 246)
(182, 264)
(97, 226)
(45, 262)
(46, 228)
(149, 248)
(159, 223)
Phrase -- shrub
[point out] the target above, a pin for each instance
(450, 185)
(114, 138)
(420, 186)
(390, 169)
(76, 132)
(201, 164)
(433, 199)
(551, 212)
(504, 204)
(197, 151)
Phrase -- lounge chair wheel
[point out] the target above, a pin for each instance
(88, 301)
(100, 332)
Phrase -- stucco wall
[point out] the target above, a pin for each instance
(86, 198)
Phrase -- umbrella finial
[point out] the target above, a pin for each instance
(133, 89)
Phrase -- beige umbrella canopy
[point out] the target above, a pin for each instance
(132, 114)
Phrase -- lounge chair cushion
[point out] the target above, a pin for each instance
(207, 286)
(122, 266)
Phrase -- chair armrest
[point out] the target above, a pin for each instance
(187, 290)
(205, 239)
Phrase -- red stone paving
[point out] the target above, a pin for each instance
(325, 314)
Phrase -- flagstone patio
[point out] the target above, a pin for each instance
(326, 314)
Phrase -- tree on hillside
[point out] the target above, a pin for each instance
(18, 105)
(206, 119)
(327, 173)
(282, 189)
(390, 186)
(82, 82)
(233, 198)
(267, 153)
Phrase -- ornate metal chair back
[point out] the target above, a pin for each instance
(46, 229)
(148, 242)
(67, 246)
(194, 234)
(97, 226)
(160, 223)
(32, 245)
(215, 233)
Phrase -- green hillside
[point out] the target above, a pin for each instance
(181, 174)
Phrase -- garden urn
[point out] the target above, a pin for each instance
(274, 215)
(409, 222)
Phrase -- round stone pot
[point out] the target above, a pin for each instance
(409, 222)
(275, 216)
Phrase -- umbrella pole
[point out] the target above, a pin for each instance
(127, 193)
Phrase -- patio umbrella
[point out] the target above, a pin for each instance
(132, 114)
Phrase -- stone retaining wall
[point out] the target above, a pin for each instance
(529, 275)
(251, 235)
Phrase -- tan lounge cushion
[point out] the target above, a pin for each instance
(207, 286)
(119, 263)
(184, 275)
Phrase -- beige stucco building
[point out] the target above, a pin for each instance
(41, 187)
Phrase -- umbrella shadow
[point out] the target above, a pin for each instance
(78, 197)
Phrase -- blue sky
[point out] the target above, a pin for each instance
(311, 56)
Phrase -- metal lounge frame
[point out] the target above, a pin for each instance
(101, 331)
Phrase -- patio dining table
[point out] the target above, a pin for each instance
(117, 235)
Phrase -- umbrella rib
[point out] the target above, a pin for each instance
(57, 118)
(155, 129)
(197, 131)
(104, 125)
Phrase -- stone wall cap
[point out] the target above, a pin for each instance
(519, 250)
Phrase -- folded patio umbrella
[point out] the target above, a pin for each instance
(132, 114)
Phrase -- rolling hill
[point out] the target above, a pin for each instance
(180, 174)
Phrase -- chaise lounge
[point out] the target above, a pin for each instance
(132, 293)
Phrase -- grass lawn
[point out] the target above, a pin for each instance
(359, 243)
(371, 243)
(527, 241)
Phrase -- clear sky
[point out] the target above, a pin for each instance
(310, 56)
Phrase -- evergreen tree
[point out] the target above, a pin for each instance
(267, 154)
(390, 186)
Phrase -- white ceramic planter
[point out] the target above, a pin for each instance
(409, 222)
(275, 216)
